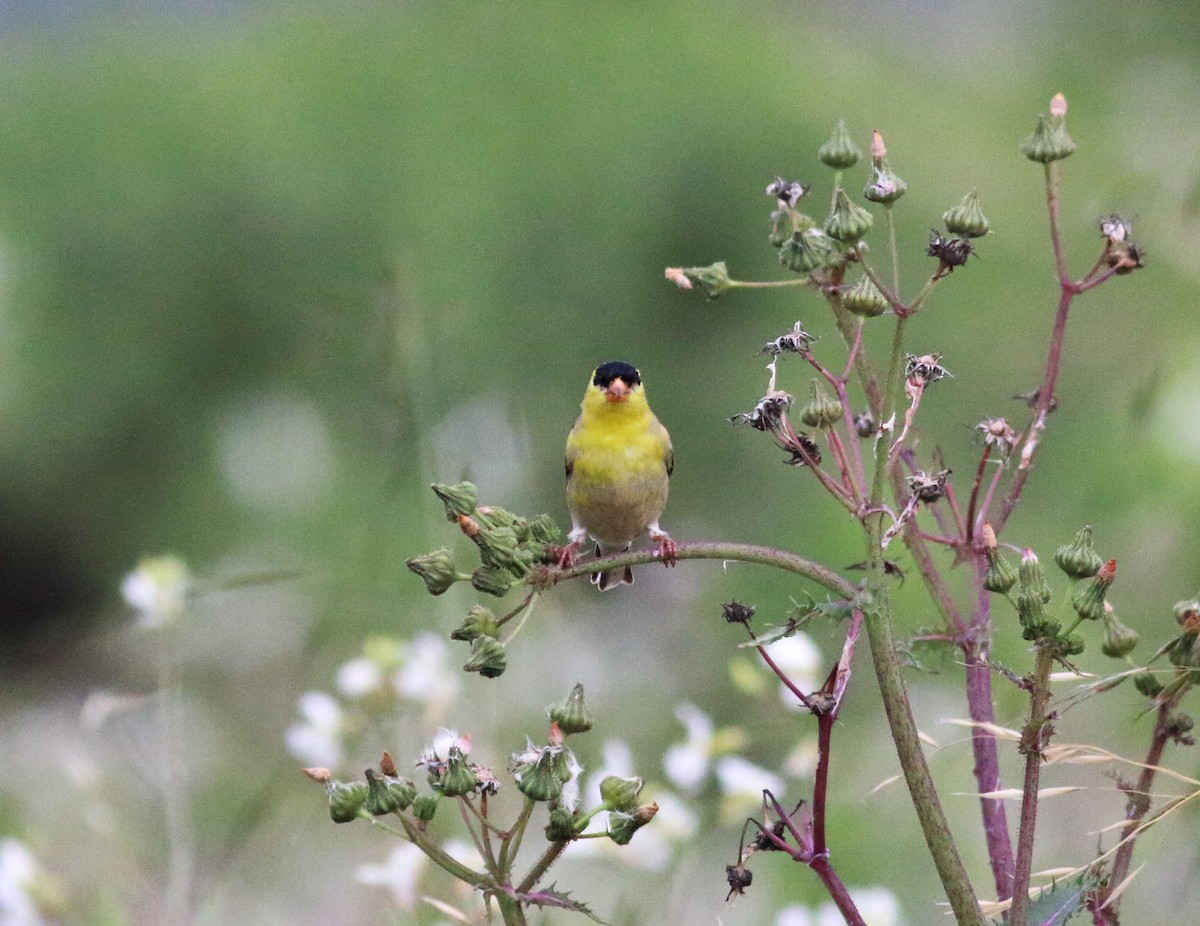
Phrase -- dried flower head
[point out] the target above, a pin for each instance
(803, 450)
(924, 369)
(795, 341)
(997, 432)
(735, 613)
(950, 252)
(767, 414)
(1116, 228)
(928, 488)
(787, 192)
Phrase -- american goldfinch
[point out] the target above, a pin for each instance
(619, 460)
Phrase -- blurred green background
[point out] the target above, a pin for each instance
(267, 271)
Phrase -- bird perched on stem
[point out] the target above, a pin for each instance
(619, 461)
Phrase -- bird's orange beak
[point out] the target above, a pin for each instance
(617, 391)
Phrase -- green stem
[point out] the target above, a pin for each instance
(1033, 740)
(510, 910)
(704, 549)
(512, 842)
(767, 284)
(434, 852)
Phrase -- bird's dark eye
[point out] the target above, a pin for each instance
(616, 369)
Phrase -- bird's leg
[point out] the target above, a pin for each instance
(566, 556)
(664, 546)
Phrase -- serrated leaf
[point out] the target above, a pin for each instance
(1060, 901)
(550, 897)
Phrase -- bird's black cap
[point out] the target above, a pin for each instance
(616, 369)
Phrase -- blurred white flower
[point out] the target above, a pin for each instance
(18, 870)
(573, 785)
(742, 784)
(795, 915)
(399, 874)
(686, 763)
(317, 738)
(800, 660)
(100, 705)
(426, 675)
(359, 677)
(157, 589)
(877, 905)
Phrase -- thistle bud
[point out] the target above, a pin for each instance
(622, 826)
(1050, 141)
(1088, 600)
(1187, 614)
(540, 780)
(572, 715)
(864, 299)
(1033, 578)
(621, 794)
(1119, 640)
(805, 252)
(460, 499)
(848, 222)
(1179, 725)
(1147, 683)
(1078, 559)
(488, 657)
(713, 279)
(436, 570)
(346, 800)
(561, 826)
(885, 187)
(1000, 575)
(479, 622)
(424, 807)
(839, 152)
(498, 547)
(459, 778)
(380, 799)
(822, 409)
(967, 219)
(542, 529)
(493, 581)
(864, 424)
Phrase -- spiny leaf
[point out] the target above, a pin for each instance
(1061, 900)
(550, 897)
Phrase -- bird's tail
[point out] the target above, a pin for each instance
(611, 578)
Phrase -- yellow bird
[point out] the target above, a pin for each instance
(619, 461)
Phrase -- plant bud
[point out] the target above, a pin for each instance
(621, 793)
(1147, 683)
(1088, 600)
(488, 657)
(380, 800)
(1187, 615)
(479, 622)
(572, 715)
(459, 778)
(622, 826)
(864, 299)
(1119, 640)
(460, 499)
(713, 279)
(840, 151)
(346, 800)
(1078, 559)
(498, 547)
(1179, 725)
(424, 807)
(436, 570)
(822, 409)
(1000, 575)
(561, 826)
(1049, 141)
(967, 219)
(542, 529)
(848, 222)
(885, 187)
(493, 581)
(806, 251)
(540, 781)
(1032, 578)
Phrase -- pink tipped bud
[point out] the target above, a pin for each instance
(1058, 105)
(878, 149)
(989, 536)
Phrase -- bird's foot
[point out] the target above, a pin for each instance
(565, 557)
(664, 548)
